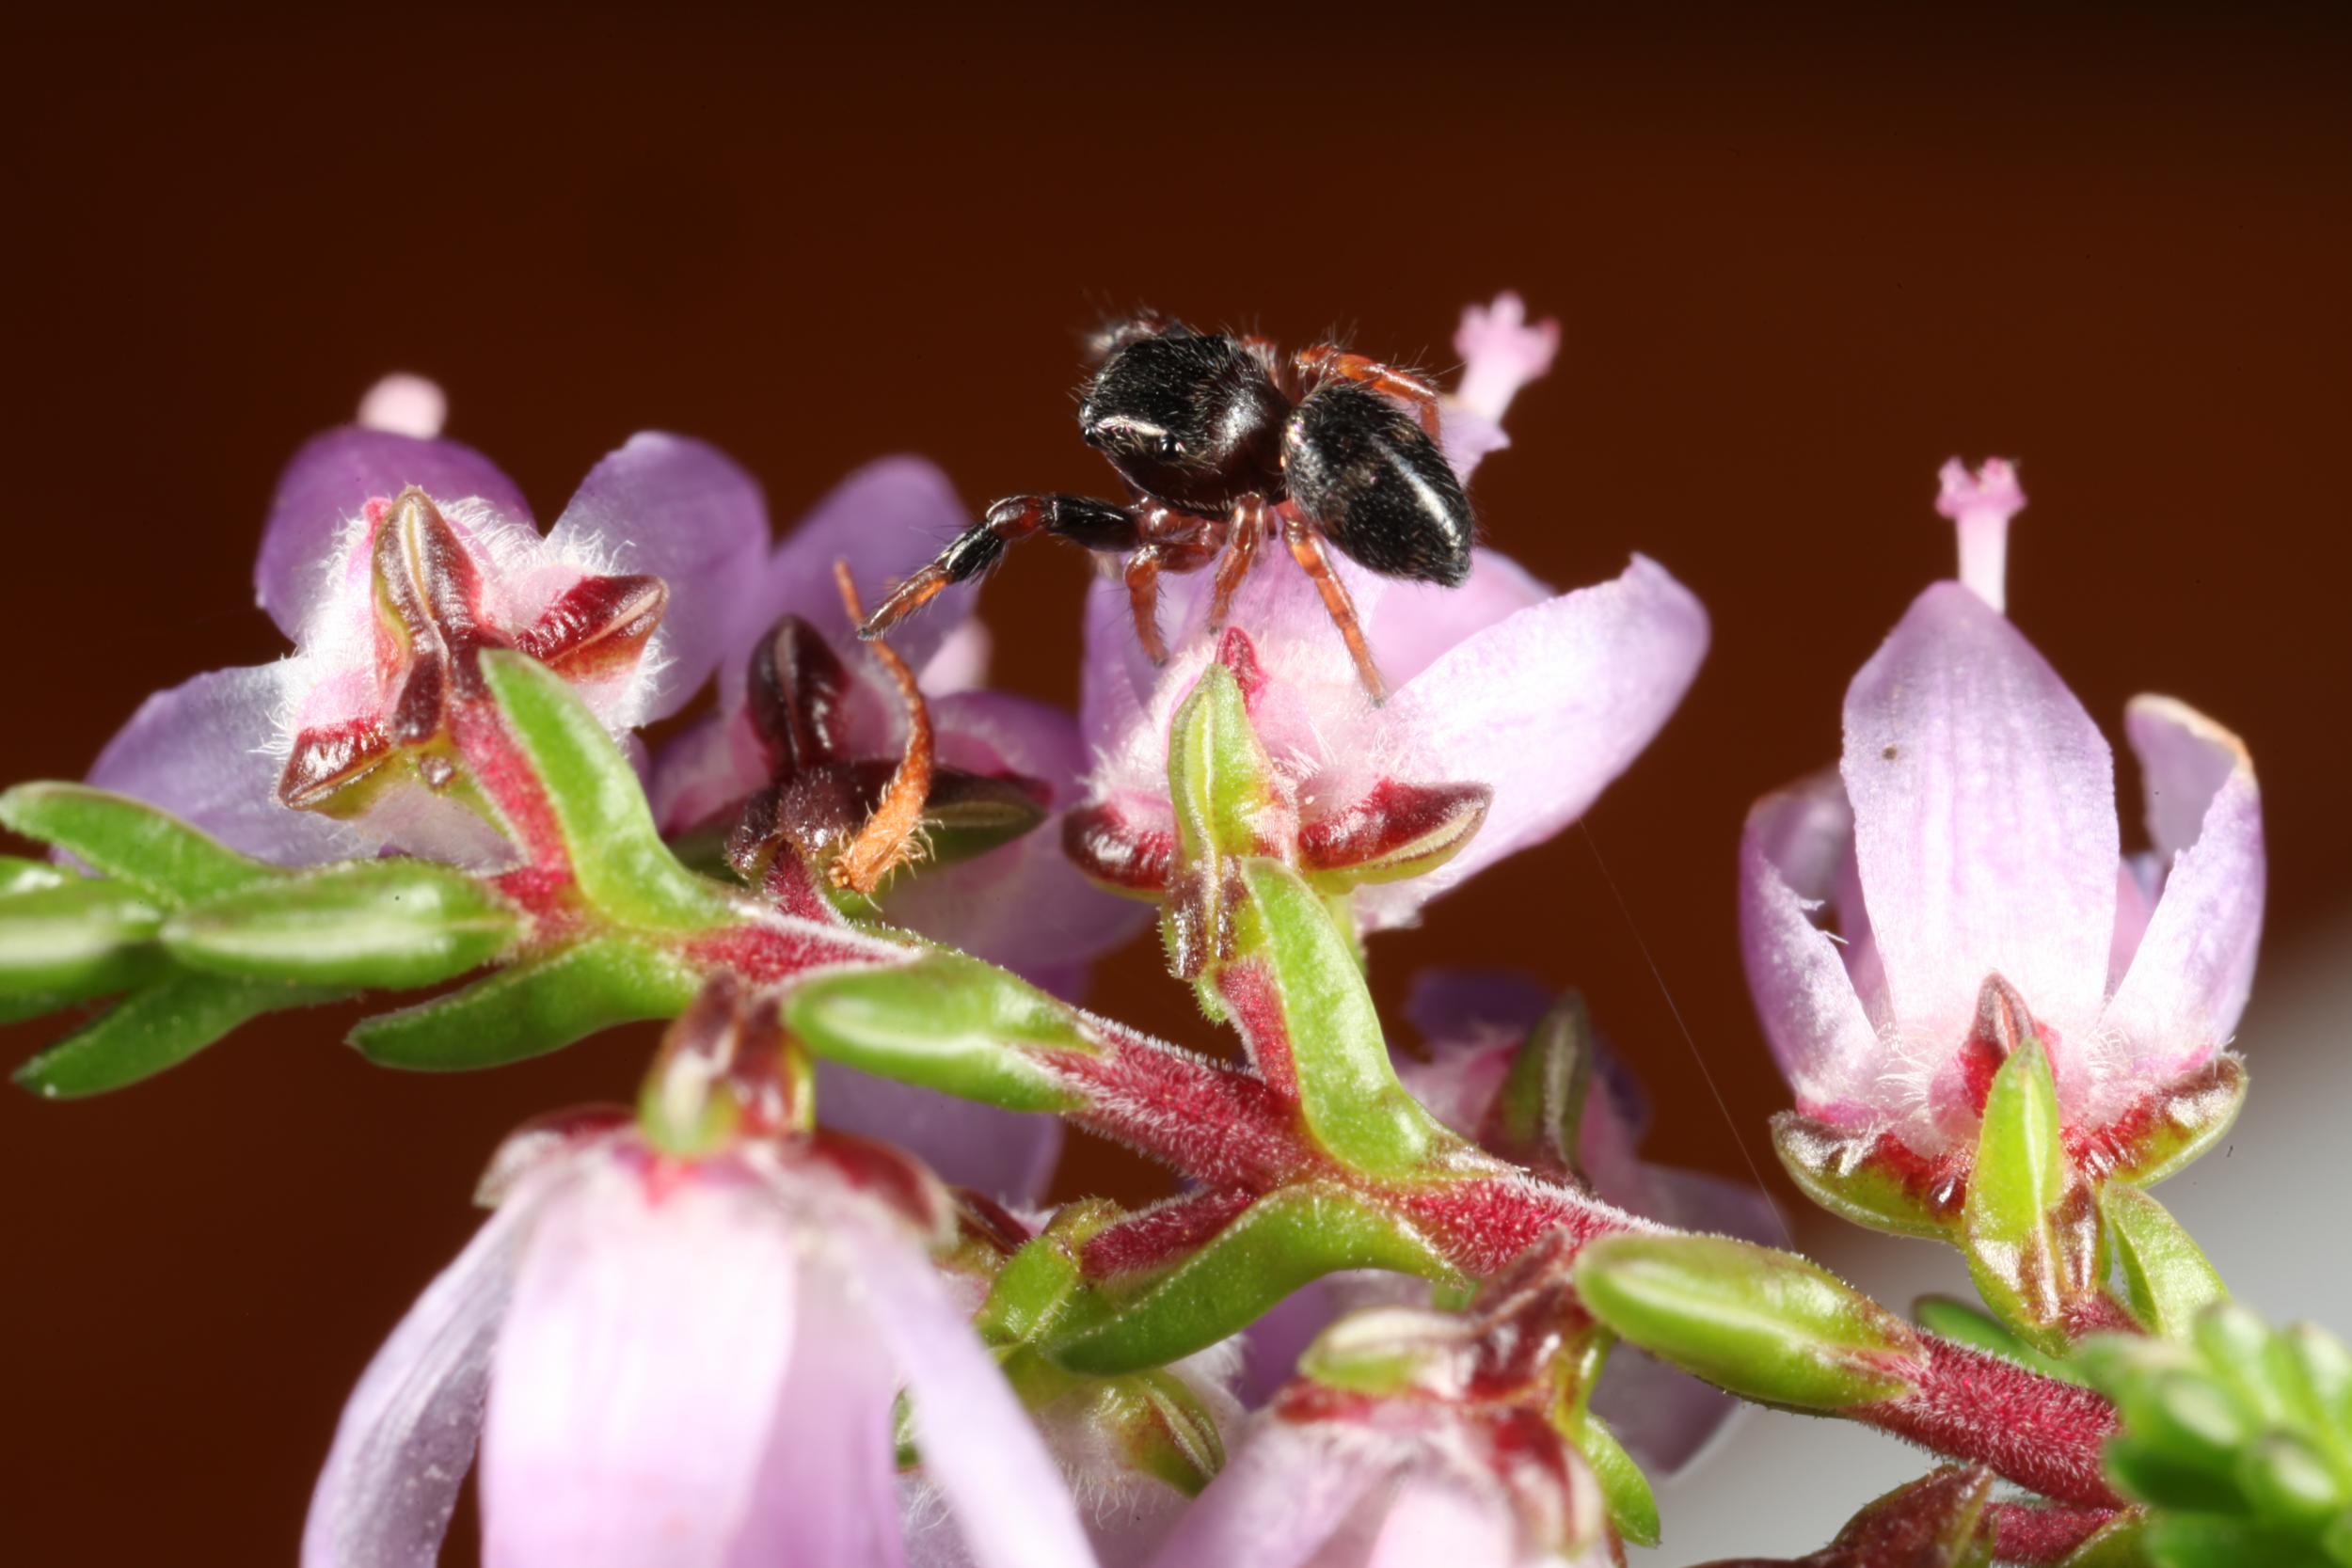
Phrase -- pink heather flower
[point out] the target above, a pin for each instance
(1501, 683)
(677, 1363)
(1022, 906)
(1970, 832)
(1416, 1437)
(392, 561)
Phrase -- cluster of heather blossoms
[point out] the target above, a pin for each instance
(1416, 1299)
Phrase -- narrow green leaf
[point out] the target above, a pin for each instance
(1357, 1111)
(158, 1027)
(1220, 781)
(534, 1008)
(1765, 1324)
(618, 856)
(1281, 1242)
(2120, 1542)
(386, 923)
(1626, 1491)
(2166, 1280)
(1540, 1107)
(81, 937)
(2209, 1543)
(19, 875)
(945, 1021)
(131, 841)
(2009, 1223)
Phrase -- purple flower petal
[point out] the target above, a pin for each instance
(1418, 622)
(828, 1492)
(1661, 1414)
(1984, 819)
(636, 1386)
(683, 512)
(885, 520)
(977, 1442)
(1280, 1500)
(408, 1434)
(1006, 1154)
(1471, 1004)
(2188, 980)
(1440, 1520)
(1023, 906)
(199, 752)
(1812, 1018)
(1614, 660)
(327, 483)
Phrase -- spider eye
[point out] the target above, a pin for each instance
(1171, 447)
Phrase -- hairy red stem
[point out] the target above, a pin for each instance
(2036, 1430)
(2022, 1534)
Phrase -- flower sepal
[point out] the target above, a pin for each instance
(1870, 1177)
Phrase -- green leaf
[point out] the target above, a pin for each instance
(1283, 1240)
(1632, 1506)
(2022, 1253)
(155, 1028)
(1356, 1109)
(541, 1005)
(945, 1021)
(82, 937)
(2120, 1542)
(1218, 779)
(1956, 1319)
(131, 841)
(386, 923)
(2238, 1436)
(2166, 1281)
(19, 875)
(1765, 1324)
(622, 866)
(1540, 1107)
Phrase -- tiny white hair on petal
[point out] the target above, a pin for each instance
(404, 404)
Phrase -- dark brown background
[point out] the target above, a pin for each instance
(1800, 266)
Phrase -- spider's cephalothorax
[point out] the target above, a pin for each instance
(1224, 448)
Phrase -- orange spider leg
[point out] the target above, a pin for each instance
(1329, 362)
(1307, 549)
(892, 837)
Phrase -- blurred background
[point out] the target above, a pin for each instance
(1798, 266)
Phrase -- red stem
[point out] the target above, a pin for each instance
(2036, 1430)
(2022, 1534)
(1226, 1127)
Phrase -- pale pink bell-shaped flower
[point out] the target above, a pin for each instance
(1414, 1437)
(1970, 832)
(1022, 904)
(390, 560)
(688, 1363)
(1540, 698)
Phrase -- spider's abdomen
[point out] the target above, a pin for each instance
(1189, 418)
(1377, 486)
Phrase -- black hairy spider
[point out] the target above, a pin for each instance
(1224, 451)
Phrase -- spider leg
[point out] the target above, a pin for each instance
(1329, 362)
(1094, 525)
(1241, 553)
(1177, 541)
(1307, 549)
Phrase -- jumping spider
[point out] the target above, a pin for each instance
(1223, 451)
